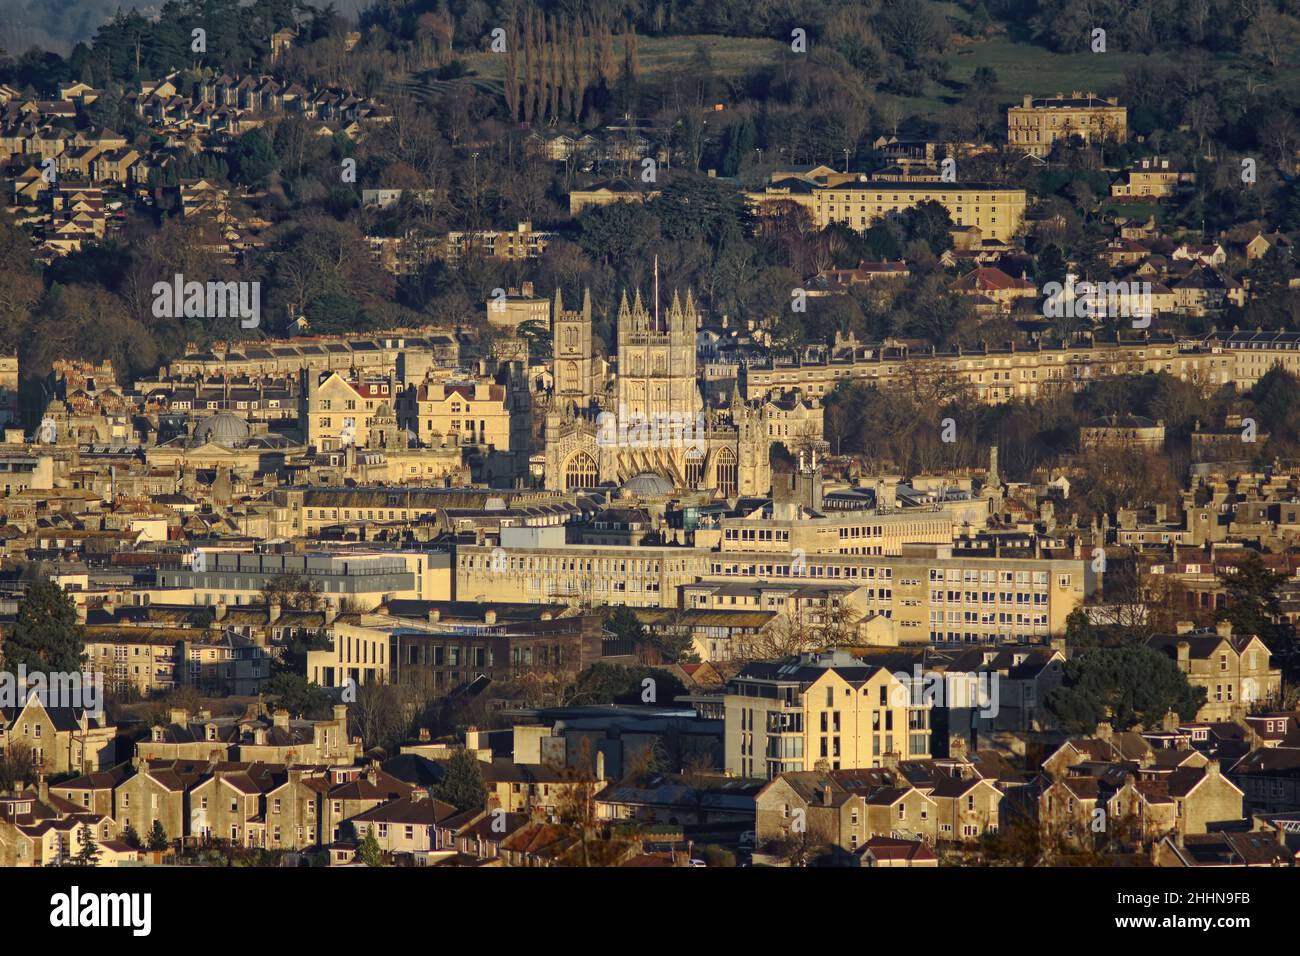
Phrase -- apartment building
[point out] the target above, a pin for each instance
(931, 593)
(997, 211)
(1039, 122)
(152, 661)
(362, 579)
(789, 529)
(938, 593)
(458, 642)
(470, 412)
(819, 710)
(341, 412)
(554, 572)
(522, 242)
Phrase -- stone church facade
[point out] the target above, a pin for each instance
(651, 418)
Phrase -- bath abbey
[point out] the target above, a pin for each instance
(650, 416)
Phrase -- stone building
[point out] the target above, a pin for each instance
(1039, 122)
(652, 418)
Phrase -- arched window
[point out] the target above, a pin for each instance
(694, 468)
(580, 472)
(727, 473)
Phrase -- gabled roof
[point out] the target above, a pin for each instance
(419, 810)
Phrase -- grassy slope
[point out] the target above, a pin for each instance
(660, 58)
(1020, 67)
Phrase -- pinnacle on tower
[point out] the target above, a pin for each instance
(638, 312)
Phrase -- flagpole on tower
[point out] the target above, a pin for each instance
(657, 292)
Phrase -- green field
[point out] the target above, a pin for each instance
(1020, 67)
(660, 58)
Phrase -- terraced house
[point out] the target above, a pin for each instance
(1235, 669)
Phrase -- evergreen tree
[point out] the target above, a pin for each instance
(1253, 605)
(131, 838)
(88, 855)
(1125, 686)
(626, 627)
(1050, 266)
(369, 852)
(254, 157)
(46, 637)
(462, 786)
(158, 836)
